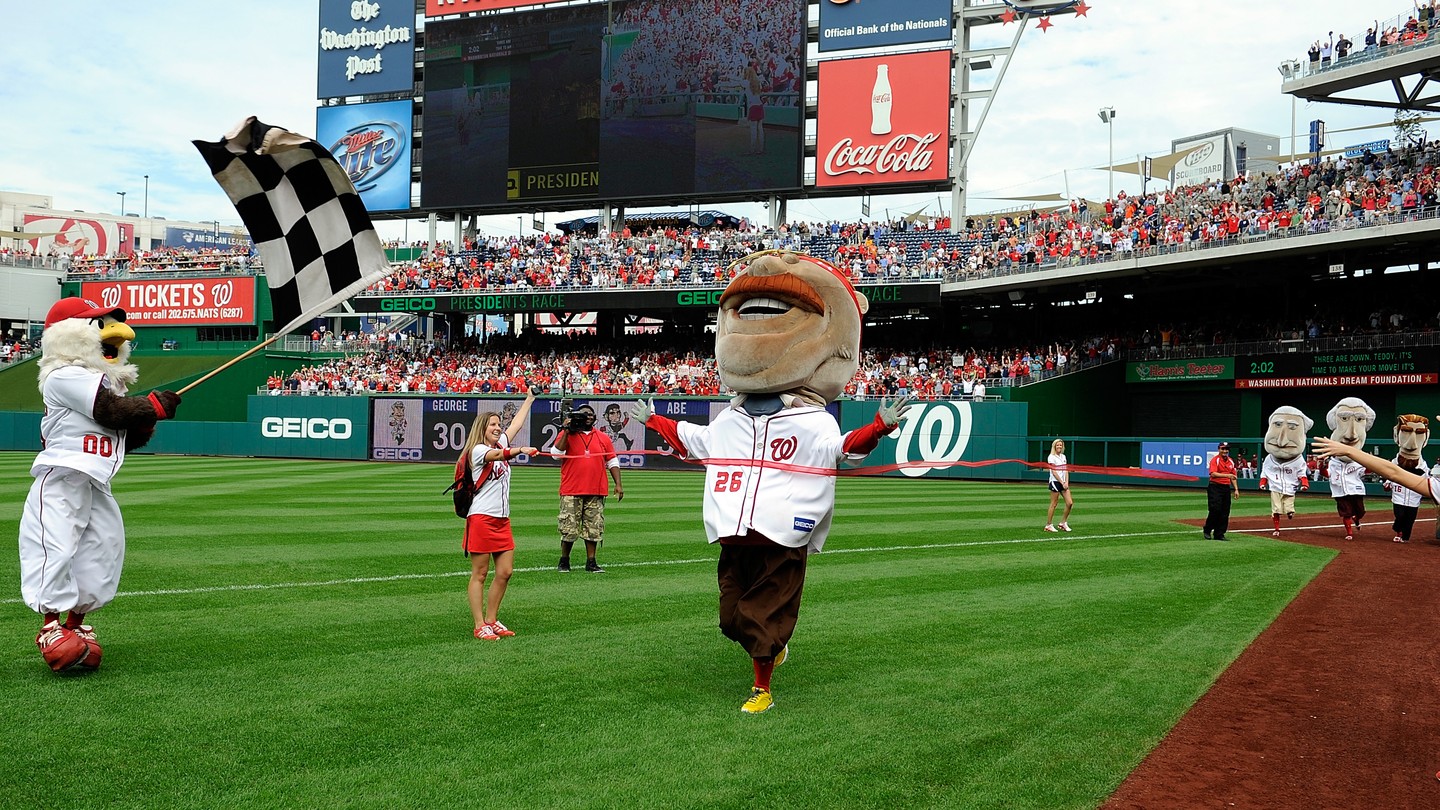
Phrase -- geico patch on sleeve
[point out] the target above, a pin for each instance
(804, 524)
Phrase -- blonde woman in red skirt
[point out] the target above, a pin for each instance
(487, 526)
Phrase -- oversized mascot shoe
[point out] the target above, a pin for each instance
(63, 648)
(93, 653)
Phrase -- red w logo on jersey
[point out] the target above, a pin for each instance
(783, 449)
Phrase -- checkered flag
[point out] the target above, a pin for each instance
(303, 214)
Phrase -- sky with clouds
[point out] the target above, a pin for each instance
(97, 96)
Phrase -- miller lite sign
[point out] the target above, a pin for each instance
(371, 142)
(897, 133)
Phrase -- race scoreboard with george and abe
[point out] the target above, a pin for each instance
(435, 428)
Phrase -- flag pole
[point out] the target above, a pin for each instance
(231, 362)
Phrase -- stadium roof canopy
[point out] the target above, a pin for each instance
(705, 219)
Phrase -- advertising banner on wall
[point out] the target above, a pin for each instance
(881, 296)
(1210, 368)
(178, 302)
(845, 24)
(308, 427)
(208, 238)
(74, 236)
(897, 132)
(1185, 458)
(936, 435)
(372, 144)
(365, 47)
(1209, 162)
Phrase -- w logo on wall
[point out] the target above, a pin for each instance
(936, 432)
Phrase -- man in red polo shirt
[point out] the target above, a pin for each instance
(588, 454)
(1224, 487)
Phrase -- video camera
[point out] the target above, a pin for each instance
(576, 420)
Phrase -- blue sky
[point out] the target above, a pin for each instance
(96, 96)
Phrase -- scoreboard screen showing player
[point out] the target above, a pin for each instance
(587, 102)
(434, 429)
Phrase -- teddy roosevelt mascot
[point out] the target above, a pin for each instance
(72, 540)
(1283, 472)
(787, 340)
(1350, 422)
(1411, 434)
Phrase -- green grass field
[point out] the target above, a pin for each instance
(295, 634)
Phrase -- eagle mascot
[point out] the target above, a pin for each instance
(72, 540)
(787, 341)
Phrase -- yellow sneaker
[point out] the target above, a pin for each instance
(760, 701)
(783, 655)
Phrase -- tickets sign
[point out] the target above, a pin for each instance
(178, 302)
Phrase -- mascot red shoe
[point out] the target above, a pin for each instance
(72, 540)
(788, 340)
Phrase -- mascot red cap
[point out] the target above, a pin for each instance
(67, 308)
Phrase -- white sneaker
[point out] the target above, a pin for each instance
(1065, 526)
(1050, 528)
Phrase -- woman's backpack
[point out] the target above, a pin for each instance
(463, 490)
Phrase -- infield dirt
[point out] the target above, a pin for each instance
(1336, 704)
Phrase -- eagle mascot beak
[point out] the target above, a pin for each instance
(114, 334)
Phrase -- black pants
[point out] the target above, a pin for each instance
(1217, 520)
(1404, 520)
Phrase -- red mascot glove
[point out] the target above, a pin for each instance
(164, 403)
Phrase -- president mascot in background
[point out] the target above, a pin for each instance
(72, 540)
(787, 341)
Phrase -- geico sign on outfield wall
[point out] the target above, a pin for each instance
(898, 132)
(299, 427)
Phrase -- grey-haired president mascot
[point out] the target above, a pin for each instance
(72, 540)
(787, 340)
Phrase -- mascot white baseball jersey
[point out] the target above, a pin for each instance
(780, 466)
(1284, 476)
(72, 538)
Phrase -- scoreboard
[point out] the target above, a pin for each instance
(435, 428)
(1348, 367)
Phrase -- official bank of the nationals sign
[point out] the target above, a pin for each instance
(178, 301)
(883, 120)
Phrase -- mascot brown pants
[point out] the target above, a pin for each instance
(760, 585)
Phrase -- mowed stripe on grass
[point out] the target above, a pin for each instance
(942, 658)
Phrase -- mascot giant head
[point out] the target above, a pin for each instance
(1285, 433)
(789, 324)
(82, 333)
(1411, 434)
(1350, 422)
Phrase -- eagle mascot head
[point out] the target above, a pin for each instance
(789, 324)
(82, 333)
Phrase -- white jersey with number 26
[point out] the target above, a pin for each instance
(791, 507)
(72, 438)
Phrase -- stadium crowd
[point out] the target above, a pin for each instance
(1337, 193)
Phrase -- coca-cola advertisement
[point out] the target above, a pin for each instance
(897, 132)
(178, 302)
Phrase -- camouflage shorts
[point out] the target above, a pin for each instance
(582, 517)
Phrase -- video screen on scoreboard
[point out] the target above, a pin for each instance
(625, 100)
